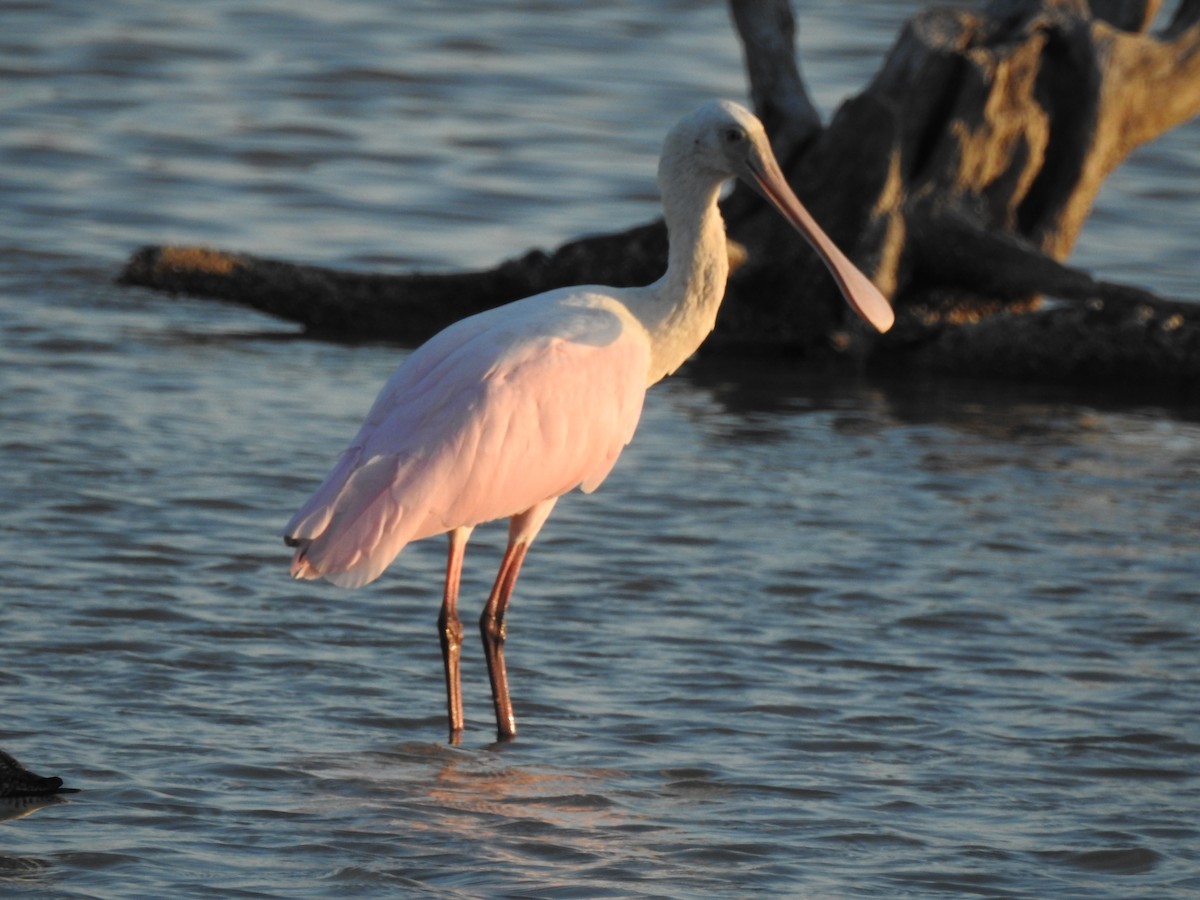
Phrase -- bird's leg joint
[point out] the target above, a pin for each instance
(450, 629)
(492, 628)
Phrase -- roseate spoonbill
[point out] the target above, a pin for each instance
(503, 412)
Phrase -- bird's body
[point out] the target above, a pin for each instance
(480, 423)
(503, 412)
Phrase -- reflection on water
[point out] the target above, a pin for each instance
(16, 807)
(815, 636)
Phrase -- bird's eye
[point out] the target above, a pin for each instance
(734, 135)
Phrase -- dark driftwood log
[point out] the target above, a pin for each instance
(959, 180)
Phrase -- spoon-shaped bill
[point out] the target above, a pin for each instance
(856, 287)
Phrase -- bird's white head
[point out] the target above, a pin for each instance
(716, 139)
(723, 139)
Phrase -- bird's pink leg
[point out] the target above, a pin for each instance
(491, 627)
(522, 529)
(450, 631)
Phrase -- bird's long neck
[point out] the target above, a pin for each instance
(680, 309)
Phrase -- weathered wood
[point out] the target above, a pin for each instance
(402, 308)
(1154, 347)
(768, 32)
(959, 179)
(1011, 124)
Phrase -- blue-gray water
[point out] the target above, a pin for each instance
(814, 637)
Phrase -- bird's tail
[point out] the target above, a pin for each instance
(355, 524)
(301, 569)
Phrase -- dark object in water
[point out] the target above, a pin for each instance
(17, 781)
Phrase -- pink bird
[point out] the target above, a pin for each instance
(503, 412)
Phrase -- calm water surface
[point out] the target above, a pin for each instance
(814, 637)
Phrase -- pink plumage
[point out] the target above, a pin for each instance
(502, 413)
(498, 412)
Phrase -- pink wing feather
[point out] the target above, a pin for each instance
(493, 415)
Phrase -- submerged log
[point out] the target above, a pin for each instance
(959, 180)
(402, 308)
